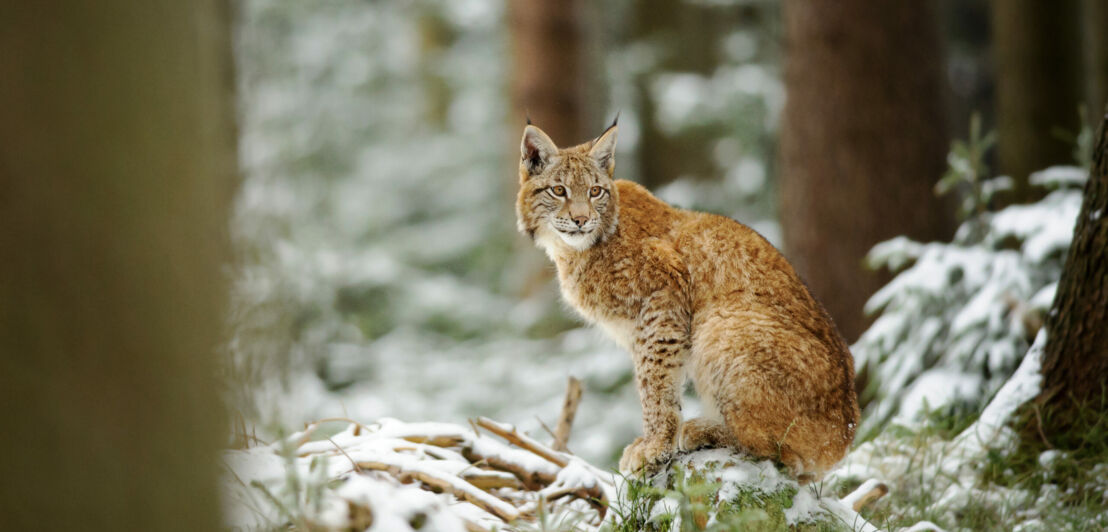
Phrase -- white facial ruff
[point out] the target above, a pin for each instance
(578, 241)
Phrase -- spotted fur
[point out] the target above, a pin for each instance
(691, 295)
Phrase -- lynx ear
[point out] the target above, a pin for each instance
(537, 150)
(604, 148)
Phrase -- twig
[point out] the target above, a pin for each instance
(343, 451)
(569, 411)
(545, 427)
(1039, 425)
(869, 491)
(488, 480)
(408, 471)
(594, 496)
(508, 432)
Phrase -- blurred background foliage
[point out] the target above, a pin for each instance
(379, 272)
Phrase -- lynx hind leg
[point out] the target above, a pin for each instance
(701, 433)
(789, 445)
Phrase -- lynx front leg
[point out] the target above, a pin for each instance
(660, 346)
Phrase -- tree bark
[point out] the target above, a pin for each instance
(862, 142)
(550, 82)
(1075, 361)
(1037, 46)
(117, 164)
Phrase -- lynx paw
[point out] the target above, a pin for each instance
(645, 456)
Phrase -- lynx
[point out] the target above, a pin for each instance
(691, 295)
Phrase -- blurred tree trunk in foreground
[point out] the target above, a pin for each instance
(862, 142)
(117, 165)
(1095, 19)
(550, 82)
(1037, 46)
(1075, 363)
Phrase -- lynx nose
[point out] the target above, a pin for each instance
(580, 220)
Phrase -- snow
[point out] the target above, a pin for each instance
(934, 389)
(311, 478)
(403, 503)
(737, 474)
(856, 495)
(949, 470)
(952, 325)
(1023, 386)
(923, 526)
(1060, 176)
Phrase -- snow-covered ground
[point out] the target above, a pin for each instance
(372, 475)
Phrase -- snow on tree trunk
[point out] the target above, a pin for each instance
(1076, 360)
(862, 142)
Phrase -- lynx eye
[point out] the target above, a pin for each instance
(595, 191)
(558, 190)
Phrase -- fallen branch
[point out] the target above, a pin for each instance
(581, 482)
(487, 480)
(867, 493)
(411, 470)
(508, 432)
(534, 472)
(437, 434)
(504, 474)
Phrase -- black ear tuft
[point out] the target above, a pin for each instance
(537, 150)
(603, 149)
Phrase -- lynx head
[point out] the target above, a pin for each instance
(566, 196)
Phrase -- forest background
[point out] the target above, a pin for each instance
(332, 201)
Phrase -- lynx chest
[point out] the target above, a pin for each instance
(602, 297)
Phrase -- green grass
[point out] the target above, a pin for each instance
(696, 505)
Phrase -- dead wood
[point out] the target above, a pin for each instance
(569, 411)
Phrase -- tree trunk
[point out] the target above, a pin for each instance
(1037, 46)
(967, 48)
(1095, 19)
(117, 164)
(862, 142)
(687, 37)
(1075, 362)
(550, 82)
